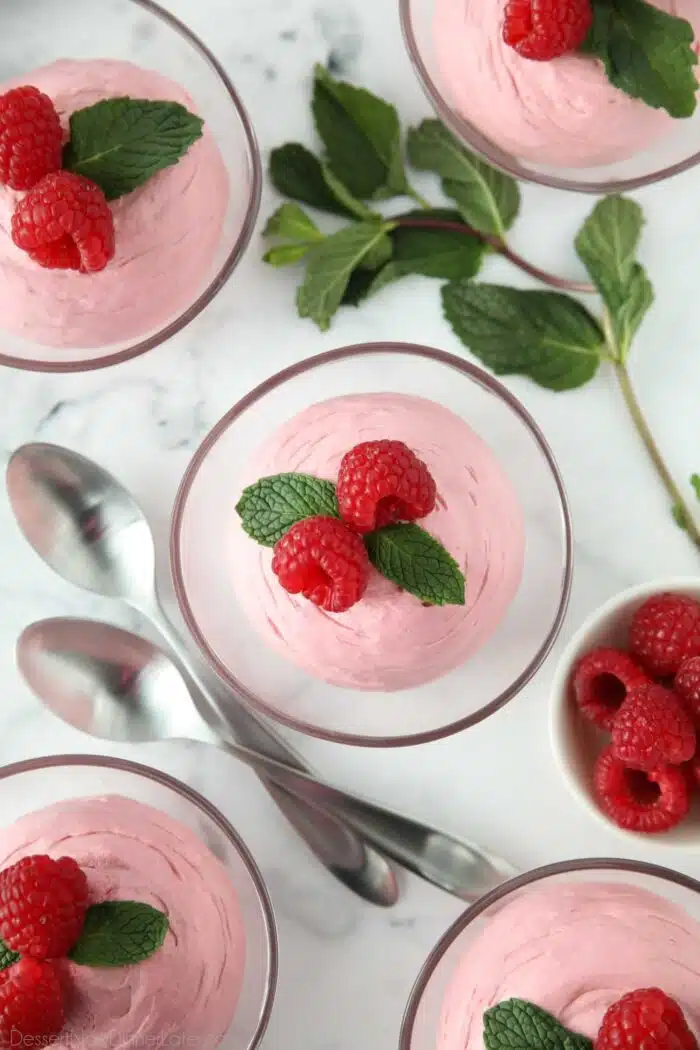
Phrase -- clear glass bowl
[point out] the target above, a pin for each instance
(673, 154)
(422, 1018)
(203, 521)
(34, 784)
(35, 33)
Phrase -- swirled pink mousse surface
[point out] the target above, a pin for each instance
(168, 232)
(573, 949)
(130, 851)
(563, 113)
(388, 640)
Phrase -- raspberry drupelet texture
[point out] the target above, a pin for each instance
(65, 223)
(646, 1019)
(31, 1004)
(544, 29)
(601, 680)
(42, 906)
(380, 482)
(31, 138)
(664, 632)
(325, 561)
(653, 728)
(687, 685)
(636, 801)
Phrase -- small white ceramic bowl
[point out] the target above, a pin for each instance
(575, 742)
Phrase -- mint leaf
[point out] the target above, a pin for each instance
(435, 252)
(647, 53)
(269, 507)
(414, 560)
(362, 137)
(607, 246)
(330, 267)
(295, 172)
(351, 204)
(378, 255)
(695, 482)
(293, 224)
(518, 1025)
(120, 143)
(288, 254)
(7, 956)
(488, 199)
(359, 286)
(119, 933)
(546, 336)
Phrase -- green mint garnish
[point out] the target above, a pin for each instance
(647, 53)
(119, 933)
(362, 138)
(120, 143)
(695, 482)
(546, 336)
(411, 558)
(488, 200)
(518, 1025)
(270, 507)
(295, 172)
(7, 956)
(607, 246)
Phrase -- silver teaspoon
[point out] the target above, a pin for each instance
(115, 685)
(88, 528)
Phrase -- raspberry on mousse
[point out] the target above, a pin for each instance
(31, 138)
(324, 560)
(380, 482)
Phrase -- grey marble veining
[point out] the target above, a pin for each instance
(346, 970)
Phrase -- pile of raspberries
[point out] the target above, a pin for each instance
(647, 698)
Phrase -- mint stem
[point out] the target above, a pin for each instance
(680, 506)
(498, 245)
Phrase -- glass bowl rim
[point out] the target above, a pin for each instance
(139, 769)
(527, 878)
(217, 282)
(462, 130)
(470, 372)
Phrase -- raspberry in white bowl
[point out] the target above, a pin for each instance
(406, 470)
(141, 937)
(625, 712)
(154, 248)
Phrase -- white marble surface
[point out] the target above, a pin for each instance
(346, 968)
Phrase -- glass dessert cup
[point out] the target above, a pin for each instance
(203, 526)
(37, 783)
(424, 1012)
(668, 156)
(36, 33)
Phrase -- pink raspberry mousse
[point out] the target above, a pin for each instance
(563, 113)
(168, 232)
(186, 993)
(573, 949)
(389, 640)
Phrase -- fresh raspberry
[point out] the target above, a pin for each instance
(544, 29)
(686, 685)
(646, 1019)
(325, 561)
(31, 1003)
(42, 906)
(31, 138)
(601, 680)
(65, 223)
(637, 801)
(652, 729)
(664, 632)
(383, 481)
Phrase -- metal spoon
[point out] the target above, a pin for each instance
(115, 685)
(85, 525)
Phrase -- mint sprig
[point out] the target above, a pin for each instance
(404, 553)
(121, 143)
(547, 336)
(647, 53)
(7, 956)
(269, 507)
(119, 933)
(516, 1024)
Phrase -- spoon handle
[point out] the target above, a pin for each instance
(452, 864)
(341, 850)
